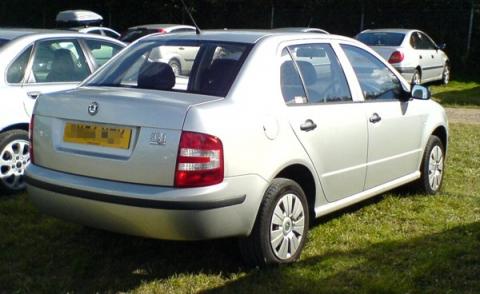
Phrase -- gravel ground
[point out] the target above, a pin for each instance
(463, 115)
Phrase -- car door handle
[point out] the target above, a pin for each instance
(421, 57)
(308, 125)
(433, 56)
(375, 118)
(181, 48)
(34, 94)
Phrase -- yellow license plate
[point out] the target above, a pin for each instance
(93, 134)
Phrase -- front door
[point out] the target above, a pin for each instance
(394, 125)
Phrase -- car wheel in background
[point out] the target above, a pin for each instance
(14, 157)
(446, 74)
(281, 226)
(432, 167)
(416, 78)
(176, 67)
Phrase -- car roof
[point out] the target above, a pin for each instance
(13, 33)
(300, 29)
(404, 31)
(160, 26)
(238, 36)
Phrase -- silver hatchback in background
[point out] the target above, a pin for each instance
(412, 52)
(265, 133)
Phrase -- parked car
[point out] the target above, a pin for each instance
(254, 143)
(35, 62)
(300, 29)
(413, 53)
(136, 32)
(84, 21)
(180, 58)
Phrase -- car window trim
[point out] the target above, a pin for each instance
(59, 39)
(26, 73)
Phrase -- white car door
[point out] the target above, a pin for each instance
(434, 57)
(329, 125)
(394, 125)
(57, 64)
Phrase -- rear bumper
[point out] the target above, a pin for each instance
(406, 72)
(223, 210)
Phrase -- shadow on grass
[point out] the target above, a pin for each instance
(467, 97)
(42, 254)
(430, 264)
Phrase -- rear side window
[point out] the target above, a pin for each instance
(381, 38)
(321, 75)
(375, 78)
(59, 61)
(203, 67)
(16, 71)
(102, 51)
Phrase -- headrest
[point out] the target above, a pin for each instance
(290, 76)
(156, 75)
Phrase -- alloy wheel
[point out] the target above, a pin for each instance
(13, 160)
(435, 168)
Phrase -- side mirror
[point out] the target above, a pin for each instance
(420, 92)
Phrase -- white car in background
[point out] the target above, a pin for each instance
(412, 52)
(35, 62)
(84, 21)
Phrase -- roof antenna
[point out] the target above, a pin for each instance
(197, 29)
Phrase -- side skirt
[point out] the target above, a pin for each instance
(337, 205)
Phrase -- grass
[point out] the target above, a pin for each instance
(458, 93)
(394, 243)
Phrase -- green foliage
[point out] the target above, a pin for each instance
(394, 243)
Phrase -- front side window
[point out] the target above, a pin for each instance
(320, 73)
(426, 42)
(59, 61)
(207, 67)
(375, 78)
(16, 71)
(102, 51)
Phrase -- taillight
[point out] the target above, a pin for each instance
(396, 57)
(161, 31)
(30, 138)
(199, 161)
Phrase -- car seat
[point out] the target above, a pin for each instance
(156, 75)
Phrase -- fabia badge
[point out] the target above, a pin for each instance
(93, 108)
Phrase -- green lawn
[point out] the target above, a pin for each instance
(458, 93)
(395, 243)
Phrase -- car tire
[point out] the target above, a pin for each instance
(432, 167)
(446, 74)
(176, 67)
(281, 227)
(14, 157)
(416, 78)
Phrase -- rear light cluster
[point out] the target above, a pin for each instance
(199, 161)
(30, 138)
(396, 57)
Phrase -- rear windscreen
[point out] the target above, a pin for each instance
(204, 67)
(381, 38)
(132, 35)
(3, 42)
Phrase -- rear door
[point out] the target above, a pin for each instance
(394, 127)
(324, 117)
(56, 64)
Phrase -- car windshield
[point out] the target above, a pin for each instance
(3, 42)
(204, 67)
(381, 38)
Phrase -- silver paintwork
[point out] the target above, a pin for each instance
(287, 226)
(349, 158)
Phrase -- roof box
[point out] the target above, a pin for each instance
(75, 18)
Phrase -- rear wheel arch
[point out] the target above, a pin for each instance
(305, 179)
(20, 126)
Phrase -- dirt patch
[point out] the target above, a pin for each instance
(463, 115)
